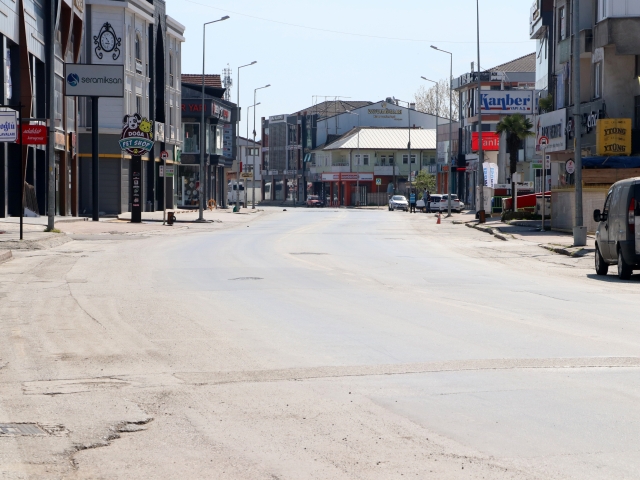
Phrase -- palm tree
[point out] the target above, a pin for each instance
(517, 128)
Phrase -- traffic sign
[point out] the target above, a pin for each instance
(547, 162)
(378, 181)
(164, 155)
(169, 171)
(570, 167)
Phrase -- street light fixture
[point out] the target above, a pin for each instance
(450, 129)
(359, 158)
(253, 163)
(238, 130)
(254, 141)
(437, 113)
(202, 132)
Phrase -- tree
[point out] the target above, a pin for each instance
(427, 100)
(424, 181)
(516, 128)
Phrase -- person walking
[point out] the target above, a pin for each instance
(412, 202)
(428, 201)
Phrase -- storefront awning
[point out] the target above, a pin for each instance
(611, 162)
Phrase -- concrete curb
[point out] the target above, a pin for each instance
(53, 240)
(5, 255)
(489, 230)
(568, 251)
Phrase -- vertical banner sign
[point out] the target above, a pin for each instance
(136, 139)
(613, 136)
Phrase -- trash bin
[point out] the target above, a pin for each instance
(171, 217)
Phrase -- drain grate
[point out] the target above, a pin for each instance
(246, 278)
(20, 429)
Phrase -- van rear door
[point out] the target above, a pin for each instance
(635, 189)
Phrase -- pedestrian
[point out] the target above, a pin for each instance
(428, 202)
(412, 202)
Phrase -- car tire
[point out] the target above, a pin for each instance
(602, 268)
(624, 269)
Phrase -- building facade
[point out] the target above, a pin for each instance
(149, 44)
(26, 55)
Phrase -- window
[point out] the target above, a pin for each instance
(137, 47)
(357, 158)
(191, 138)
(58, 102)
(405, 159)
(139, 104)
(383, 160)
(391, 160)
(562, 22)
(170, 70)
(365, 159)
(413, 159)
(597, 80)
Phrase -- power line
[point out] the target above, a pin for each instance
(339, 31)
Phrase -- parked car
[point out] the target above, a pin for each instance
(435, 199)
(442, 205)
(617, 242)
(314, 201)
(400, 202)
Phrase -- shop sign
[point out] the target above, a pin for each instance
(552, 125)
(8, 126)
(37, 135)
(273, 172)
(330, 177)
(227, 140)
(221, 112)
(246, 175)
(93, 80)
(507, 102)
(365, 177)
(490, 141)
(137, 135)
(613, 136)
(345, 177)
(276, 118)
(59, 142)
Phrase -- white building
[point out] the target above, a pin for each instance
(140, 36)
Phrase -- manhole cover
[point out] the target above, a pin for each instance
(247, 278)
(20, 429)
(309, 253)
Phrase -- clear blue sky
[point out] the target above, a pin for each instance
(300, 62)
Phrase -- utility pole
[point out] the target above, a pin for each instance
(480, 208)
(51, 159)
(579, 231)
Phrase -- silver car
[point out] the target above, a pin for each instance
(398, 202)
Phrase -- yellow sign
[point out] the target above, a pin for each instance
(613, 136)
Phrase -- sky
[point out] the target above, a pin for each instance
(362, 49)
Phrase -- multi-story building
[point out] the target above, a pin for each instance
(290, 141)
(518, 74)
(609, 58)
(26, 55)
(149, 45)
(249, 156)
(220, 118)
(361, 166)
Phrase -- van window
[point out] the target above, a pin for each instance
(615, 208)
(607, 204)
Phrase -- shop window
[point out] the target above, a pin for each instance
(191, 138)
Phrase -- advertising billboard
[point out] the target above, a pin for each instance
(552, 126)
(93, 80)
(613, 136)
(490, 141)
(507, 102)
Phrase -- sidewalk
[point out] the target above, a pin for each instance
(529, 230)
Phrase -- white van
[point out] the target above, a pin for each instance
(235, 190)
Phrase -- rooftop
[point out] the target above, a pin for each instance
(332, 107)
(527, 63)
(212, 80)
(385, 139)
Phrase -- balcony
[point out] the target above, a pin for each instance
(586, 43)
(623, 32)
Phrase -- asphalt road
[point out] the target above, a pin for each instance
(317, 344)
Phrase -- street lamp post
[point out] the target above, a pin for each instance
(480, 208)
(238, 130)
(449, 159)
(202, 132)
(255, 90)
(359, 159)
(437, 116)
(253, 181)
(409, 144)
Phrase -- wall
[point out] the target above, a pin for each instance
(563, 207)
(620, 84)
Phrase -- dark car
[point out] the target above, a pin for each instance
(314, 201)
(617, 242)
